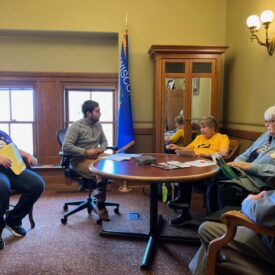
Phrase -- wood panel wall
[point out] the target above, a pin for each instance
(49, 103)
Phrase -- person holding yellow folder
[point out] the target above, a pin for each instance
(15, 176)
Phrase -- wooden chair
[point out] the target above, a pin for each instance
(234, 262)
(234, 150)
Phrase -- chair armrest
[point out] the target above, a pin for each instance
(232, 219)
(65, 159)
(114, 148)
(237, 218)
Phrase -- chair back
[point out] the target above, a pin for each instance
(60, 135)
(234, 149)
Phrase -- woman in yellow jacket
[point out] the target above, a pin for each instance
(206, 144)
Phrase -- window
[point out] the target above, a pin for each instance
(74, 99)
(17, 115)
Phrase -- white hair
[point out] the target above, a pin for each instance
(270, 113)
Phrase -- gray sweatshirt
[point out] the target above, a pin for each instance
(84, 134)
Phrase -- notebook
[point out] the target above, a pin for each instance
(10, 151)
(225, 168)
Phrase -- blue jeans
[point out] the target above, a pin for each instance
(29, 184)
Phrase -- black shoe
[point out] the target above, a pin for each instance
(16, 230)
(181, 219)
(2, 244)
(103, 214)
(178, 199)
(177, 203)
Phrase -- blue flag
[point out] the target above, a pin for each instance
(125, 132)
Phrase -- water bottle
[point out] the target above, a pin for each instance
(164, 192)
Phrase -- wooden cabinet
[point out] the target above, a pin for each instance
(187, 79)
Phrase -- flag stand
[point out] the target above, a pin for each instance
(125, 188)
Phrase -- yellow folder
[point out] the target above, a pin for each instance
(10, 151)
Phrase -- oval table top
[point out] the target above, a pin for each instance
(128, 170)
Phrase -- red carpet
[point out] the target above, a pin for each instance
(77, 248)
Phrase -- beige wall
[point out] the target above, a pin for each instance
(249, 86)
(39, 30)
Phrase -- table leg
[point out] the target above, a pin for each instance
(155, 228)
(154, 232)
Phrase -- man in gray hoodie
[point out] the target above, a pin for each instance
(85, 140)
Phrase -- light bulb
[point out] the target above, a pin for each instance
(267, 16)
(253, 21)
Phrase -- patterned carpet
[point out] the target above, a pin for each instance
(77, 248)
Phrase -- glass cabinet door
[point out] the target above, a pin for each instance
(174, 93)
(186, 78)
(201, 91)
(201, 101)
(174, 99)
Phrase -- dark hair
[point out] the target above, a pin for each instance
(89, 106)
(209, 121)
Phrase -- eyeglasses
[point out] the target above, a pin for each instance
(269, 121)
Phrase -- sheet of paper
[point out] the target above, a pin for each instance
(179, 164)
(10, 151)
(164, 165)
(201, 163)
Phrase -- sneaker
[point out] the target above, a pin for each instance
(2, 244)
(102, 213)
(181, 220)
(16, 230)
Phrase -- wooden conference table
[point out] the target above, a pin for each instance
(130, 171)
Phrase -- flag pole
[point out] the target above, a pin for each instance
(125, 188)
(126, 22)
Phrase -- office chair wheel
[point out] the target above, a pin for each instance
(116, 210)
(99, 222)
(65, 207)
(64, 220)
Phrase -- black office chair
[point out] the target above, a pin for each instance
(90, 202)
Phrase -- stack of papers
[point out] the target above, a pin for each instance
(179, 164)
(164, 165)
(120, 157)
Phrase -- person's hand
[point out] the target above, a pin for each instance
(240, 164)
(93, 153)
(256, 197)
(171, 146)
(31, 160)
(6, 162)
